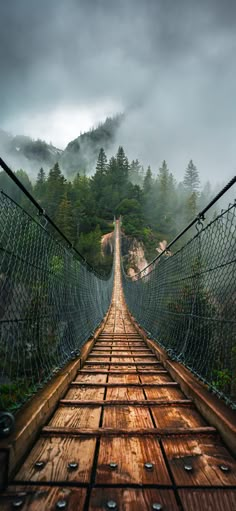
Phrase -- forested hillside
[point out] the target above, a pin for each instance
(153, 206)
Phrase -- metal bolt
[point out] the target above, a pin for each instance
(188, 468)
(148, 466)
(113, 465)
(111, 504)
(61, 504)
(17, 503)
(39, 465)
(224, 468)
(72, 465)
(157, 506)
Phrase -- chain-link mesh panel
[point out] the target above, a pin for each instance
(186, 301)
(50, 303)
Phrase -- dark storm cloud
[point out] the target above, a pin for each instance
(169, 64)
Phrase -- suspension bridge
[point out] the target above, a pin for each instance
(116, 392)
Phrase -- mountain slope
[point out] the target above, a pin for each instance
(79, 156)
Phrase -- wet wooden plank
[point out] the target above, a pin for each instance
(126, 359)
(56, 453)
(99, 432)
(164, 393)
(123, 378)
(208, 500)
(91, 378)
(85, 393)
(155, 378)
(42, 498)
(131, 454)
(123, 368)
(133, 393)
(96, 366)
(76, 417)
(94, 359)
(177, 417)
(205, 454)
(126, 417)
(132, 499)
(145, 358)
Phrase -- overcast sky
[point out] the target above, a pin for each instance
(169, 64)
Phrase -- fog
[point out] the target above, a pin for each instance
(169, 65)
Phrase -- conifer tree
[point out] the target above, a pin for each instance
(191, 178)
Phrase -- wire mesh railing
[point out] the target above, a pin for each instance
(51, 302)
(186, 300)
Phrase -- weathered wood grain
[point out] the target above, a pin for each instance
(76, 417)
(132, 500)
(57, 453)
(42, 498)
(133, 393)
(85, 393)
(131, 454)
(164, 393)
(205, 454)
(126, 417)
(177, 417)
(208, 500)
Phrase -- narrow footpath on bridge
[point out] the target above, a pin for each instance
(124, 436)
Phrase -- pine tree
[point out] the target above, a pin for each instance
(55, 190)
(191, 184)
(148, 182)
(191, 178)
(101, 162)
(65, 218)
(40, 186)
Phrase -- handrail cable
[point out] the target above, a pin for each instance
(42, 212)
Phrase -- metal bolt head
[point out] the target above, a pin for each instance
(188, 468)
(72, 465)
(157, 506)
(39, 465)
(111, 504)
(224, 468)
(17, 503)
(148, 465)
(61, 504)
(113, 465)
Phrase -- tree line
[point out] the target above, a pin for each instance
(153, 206)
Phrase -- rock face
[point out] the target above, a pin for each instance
(107, 244)
(134, 255)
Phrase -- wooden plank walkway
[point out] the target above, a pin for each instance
(124, 437)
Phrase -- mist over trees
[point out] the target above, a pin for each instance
(153, 205)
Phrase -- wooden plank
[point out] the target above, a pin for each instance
(208, 500)
(121, 402)
(177, 417)
(42, 498)
(164, 393)
(91, 378)
(118, 383)
(123, 378)
(126, 417)
(205, 454)
(131, 454)
(120, 359)
(99, 432)
(95, 365)
(123, 368)
(57, 453)
(117, 372)
(77, 417)
(141, 365)
(125, 393)
(156, 378)
(85, 393)
(132, 499)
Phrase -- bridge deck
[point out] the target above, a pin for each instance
(125, 437)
